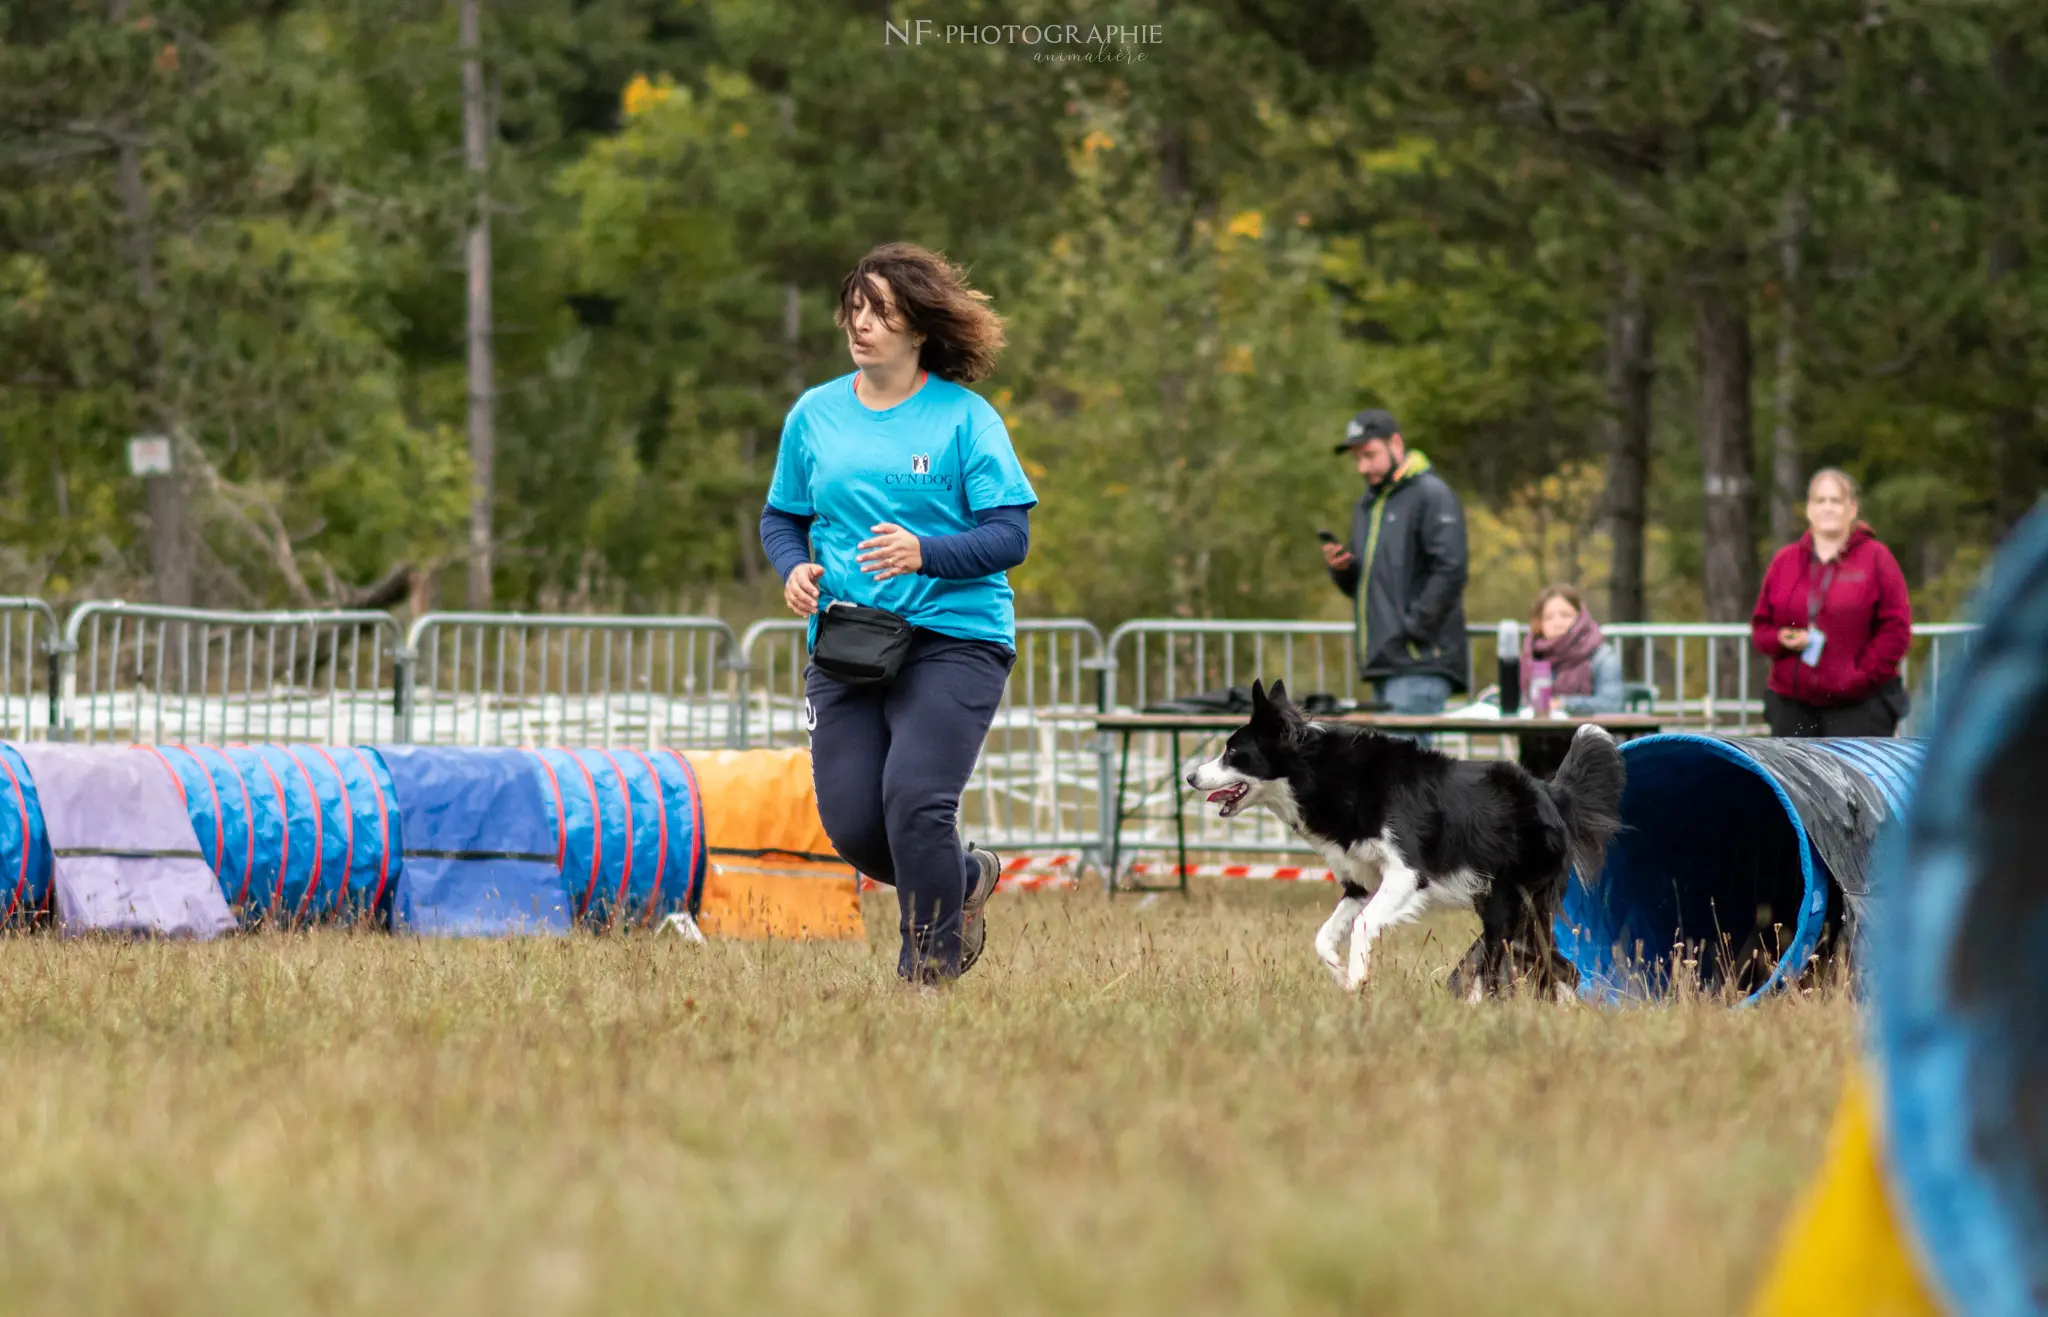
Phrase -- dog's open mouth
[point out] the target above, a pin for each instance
(1230, 797)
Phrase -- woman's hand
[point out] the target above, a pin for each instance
(800, 589)
(892, 552)
(1793, 638)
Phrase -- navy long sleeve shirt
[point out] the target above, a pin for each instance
(1000, 540)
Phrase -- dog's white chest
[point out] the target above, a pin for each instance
(1360, 863)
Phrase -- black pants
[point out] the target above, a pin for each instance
(890, 762)
(1790, 717)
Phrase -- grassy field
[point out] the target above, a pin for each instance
(1165, 1109)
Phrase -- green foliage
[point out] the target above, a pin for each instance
(1208, 258)
(1173, 407)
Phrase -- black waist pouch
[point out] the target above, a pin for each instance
(859, 645)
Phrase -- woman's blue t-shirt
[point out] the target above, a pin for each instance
(928, 464)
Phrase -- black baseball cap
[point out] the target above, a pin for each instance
(1372, 423)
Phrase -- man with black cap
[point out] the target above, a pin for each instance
(1404, 568)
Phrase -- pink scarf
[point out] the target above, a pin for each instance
(1570, 657)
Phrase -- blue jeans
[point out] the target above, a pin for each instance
(1416, 693)
(890, 762)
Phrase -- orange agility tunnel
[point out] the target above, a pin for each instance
(772, 871)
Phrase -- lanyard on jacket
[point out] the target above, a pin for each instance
(1816, 598)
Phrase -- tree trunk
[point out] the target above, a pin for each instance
(1727, 465)
(1721, 341)
(1787, 469)
(1727, 462)
(2018, 462)
(164, 496)
(482, 394)
(1631, 365)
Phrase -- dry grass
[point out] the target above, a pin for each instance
(1124, 1110)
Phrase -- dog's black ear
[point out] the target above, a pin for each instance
(1279, 692)
(1264, 712)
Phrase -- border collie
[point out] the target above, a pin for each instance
(1408, 830)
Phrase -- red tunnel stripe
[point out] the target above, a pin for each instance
(383, 827)
(219, 824)
(348, 817)
(660, 812)
(248, 823)
(596, 832)
(319, 833)
(625, 794)
(561, 811)
(284, 865)
(176, 781)
(697, 839)
(20, 804)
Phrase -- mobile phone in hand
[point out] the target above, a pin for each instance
(1327, 537)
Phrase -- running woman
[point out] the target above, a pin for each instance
(896, 488)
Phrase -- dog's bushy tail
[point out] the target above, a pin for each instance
(1587, 789)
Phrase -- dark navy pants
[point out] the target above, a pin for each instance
(890, 761)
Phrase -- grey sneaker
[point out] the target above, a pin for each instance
(973, 928)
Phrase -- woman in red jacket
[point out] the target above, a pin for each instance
(1834, 620)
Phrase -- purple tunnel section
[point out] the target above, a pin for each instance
(125, 856)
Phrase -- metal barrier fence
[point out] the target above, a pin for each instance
(551, 679)
(29, 668)
(1045, 781)
(1706, 676)
(1699, 674)
(140, 672)
(1040, 783)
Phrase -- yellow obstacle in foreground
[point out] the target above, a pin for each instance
(1844, 1253)
(772, 872)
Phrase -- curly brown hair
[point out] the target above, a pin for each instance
(962, 332)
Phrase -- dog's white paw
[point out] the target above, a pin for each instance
(1358, 972)
(1332, 960)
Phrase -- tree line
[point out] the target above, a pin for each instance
(502, 301)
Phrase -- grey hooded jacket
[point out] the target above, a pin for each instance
(1408, 543)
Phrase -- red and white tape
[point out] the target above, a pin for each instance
(1279, 873)
(1025, 873)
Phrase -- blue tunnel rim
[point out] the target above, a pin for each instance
(1965, 1237)
(1812, 914)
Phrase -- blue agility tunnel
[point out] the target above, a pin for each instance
(427, 839)
(1959, 945)
(1739, 860)
(629, 829)
(296, 834)
(481, 853)
(25, 859)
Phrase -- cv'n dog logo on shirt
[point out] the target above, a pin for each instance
(920, 474)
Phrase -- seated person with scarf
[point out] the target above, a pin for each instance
(1585, 670)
